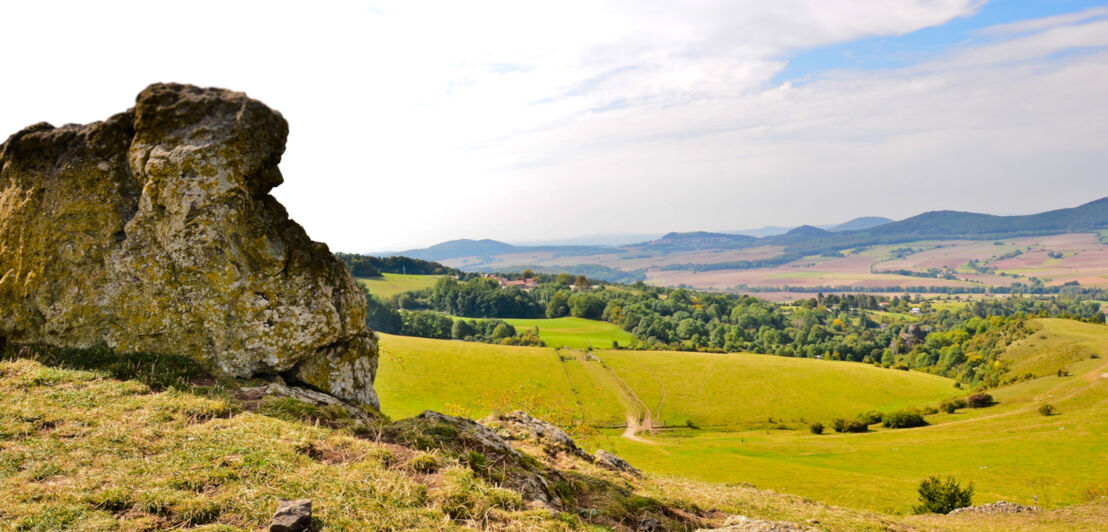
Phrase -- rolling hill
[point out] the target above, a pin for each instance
(752, 413)
(731, 391)
(859, 224)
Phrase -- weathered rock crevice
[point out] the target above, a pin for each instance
(154, 231)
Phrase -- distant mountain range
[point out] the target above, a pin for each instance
(857, 224)
(807, 239)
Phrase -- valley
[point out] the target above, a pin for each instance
(751, 414)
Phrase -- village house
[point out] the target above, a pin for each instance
(524, 284)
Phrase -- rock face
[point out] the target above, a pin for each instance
(154, 231)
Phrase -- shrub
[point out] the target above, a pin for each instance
(691, 424)
(942, 496)
(1063, 373)
(903, 419)
(871, 417)
(980, 400)
(950, 406)
(816, 428)
(928, 410)
(842, 425)
(1047, 409)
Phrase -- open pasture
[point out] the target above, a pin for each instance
(394, 283)
(575, 333)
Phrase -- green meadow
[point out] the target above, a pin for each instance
(576, 333)
(742, 418)
(394, 283)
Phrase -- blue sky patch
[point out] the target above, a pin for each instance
(924, 44)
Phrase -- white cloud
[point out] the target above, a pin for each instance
(414, 122)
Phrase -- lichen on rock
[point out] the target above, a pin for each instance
(154, 231)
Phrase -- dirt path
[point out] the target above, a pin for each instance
(639, 418)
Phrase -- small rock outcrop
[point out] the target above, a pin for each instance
(461, 437)
(292, 516)
(742, 523)
(610, 461)
(519, 425)
(154, 231)
(998, 507)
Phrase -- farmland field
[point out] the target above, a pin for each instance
(1055, 259)
(394, 283)
(752, 412)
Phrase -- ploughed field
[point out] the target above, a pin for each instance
(744, 417)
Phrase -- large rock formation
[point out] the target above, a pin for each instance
(154, 231)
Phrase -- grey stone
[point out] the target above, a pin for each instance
(610, 461)
(292, 516)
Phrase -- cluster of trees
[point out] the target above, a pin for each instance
(368, 266)
(476, 298)
(383, 316)
(595, 272)
(433, 325)
(930, 273)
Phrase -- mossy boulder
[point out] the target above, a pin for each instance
(154, 231)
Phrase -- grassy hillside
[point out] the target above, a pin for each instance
(148, 443)
(753, 411)
(417, 374)
(395, 283)
(734, 390)
(746, 390)
(1010, 451)
(576, 333)
(94, 441)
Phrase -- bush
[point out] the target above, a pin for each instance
(980, 400)
(903, 419)
(952, 405)
(816, 428)
(942, 497)
(871, 417)
(842, 425)
(1047, 409)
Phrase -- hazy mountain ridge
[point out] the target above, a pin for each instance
(808, 239)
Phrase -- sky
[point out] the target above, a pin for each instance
(415, 122)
